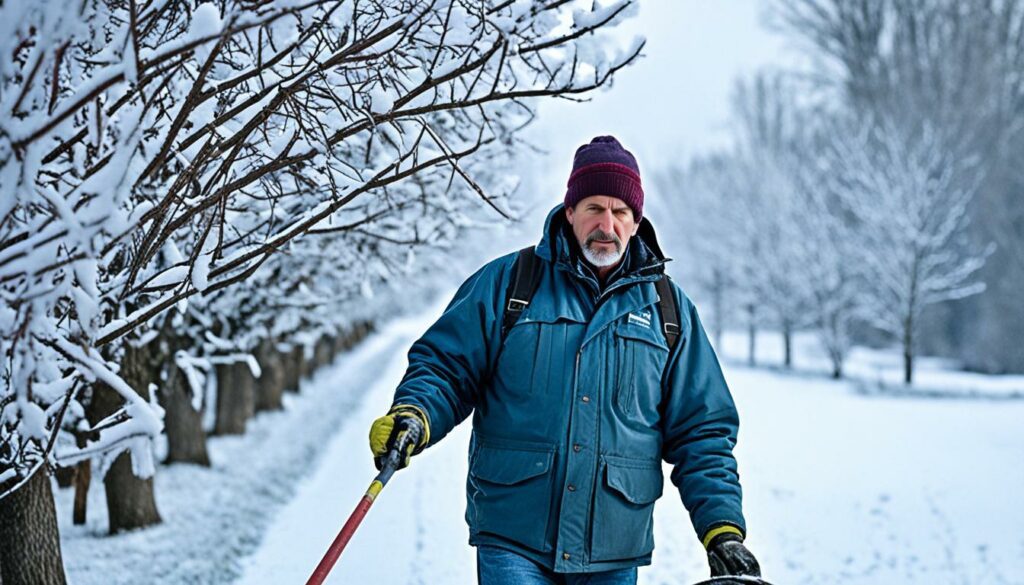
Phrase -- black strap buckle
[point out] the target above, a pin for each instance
(517, 305)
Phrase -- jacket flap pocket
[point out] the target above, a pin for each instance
(644, 333)
(510, 466)
(639, 482)
(546, 314)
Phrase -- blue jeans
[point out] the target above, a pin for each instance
(497, 566)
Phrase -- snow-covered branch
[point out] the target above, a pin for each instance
(171, 155)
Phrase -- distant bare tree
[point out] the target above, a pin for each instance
(828, 245)
(700, 219)
(769, 127)
(911, 221)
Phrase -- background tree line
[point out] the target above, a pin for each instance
(873, 193)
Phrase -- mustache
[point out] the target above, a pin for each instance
(599, 234)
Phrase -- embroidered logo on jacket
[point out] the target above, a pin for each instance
(642, 318)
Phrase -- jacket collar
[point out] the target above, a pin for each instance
(646, 257)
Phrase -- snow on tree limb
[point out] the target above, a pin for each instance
(210, 157)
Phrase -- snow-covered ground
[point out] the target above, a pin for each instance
(875, 371)
(841, 488)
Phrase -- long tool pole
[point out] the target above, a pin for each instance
(340, 541)
(738, 580)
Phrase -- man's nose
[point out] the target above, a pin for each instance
(607, 221)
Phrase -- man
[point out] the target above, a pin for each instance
(577, 403)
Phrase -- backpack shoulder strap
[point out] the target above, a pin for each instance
(668, 310)
(525, 279)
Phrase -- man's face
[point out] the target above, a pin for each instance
(603, 225)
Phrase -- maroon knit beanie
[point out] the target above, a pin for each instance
(603, 167)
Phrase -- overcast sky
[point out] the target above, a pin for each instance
(674, 101)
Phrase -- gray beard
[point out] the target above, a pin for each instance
(603, 259)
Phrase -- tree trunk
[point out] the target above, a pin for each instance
(65, 476)
(316, 358)
(342, 341)
(291, 370)
(296, 365)
(307, 362)
(338, 343)
(752, 344)
(183, 424)
(908, 351)
(29, 541)
(837, 369)
(235, 398)
(787, 343)
(718, 303)
(83, 477)
(131, 502)
(323, 352)
(270, 386)
(908, 367)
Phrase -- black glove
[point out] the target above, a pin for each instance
(729, 558)
(402, 425)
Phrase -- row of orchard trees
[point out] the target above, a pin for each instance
(852, 200)
(193, 190)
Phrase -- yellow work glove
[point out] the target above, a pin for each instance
(396, 428)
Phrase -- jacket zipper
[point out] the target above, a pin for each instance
(594, 484)
(568, 428)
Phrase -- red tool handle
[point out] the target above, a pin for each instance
(327, 563)
(391, 465)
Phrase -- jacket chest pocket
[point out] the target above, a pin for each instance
(536, 359)
(641, 354)
(517, 361)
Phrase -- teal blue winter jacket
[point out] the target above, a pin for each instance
(575, 410)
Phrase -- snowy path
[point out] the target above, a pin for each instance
(841, 489)
(214, 517)
(413, 534)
